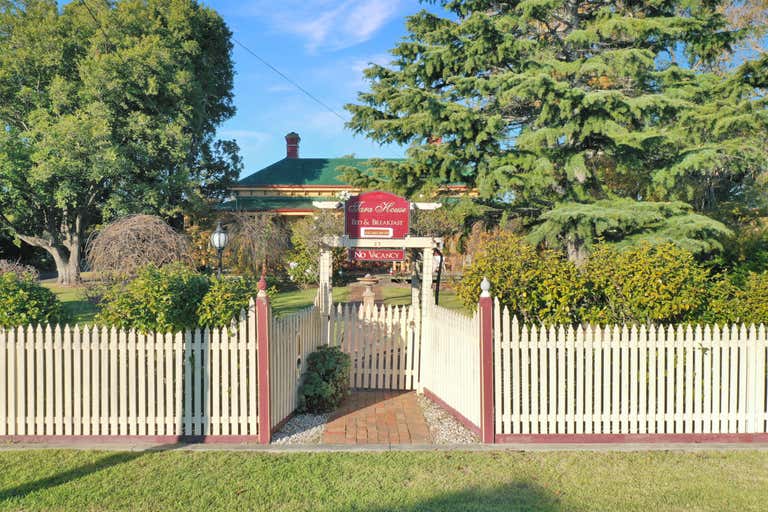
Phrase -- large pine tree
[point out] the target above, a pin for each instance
(546, 102)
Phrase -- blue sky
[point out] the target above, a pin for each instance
(322, 44)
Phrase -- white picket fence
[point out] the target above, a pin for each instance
(451, 362)
(626, 380)
(292, 339)
(383, 342)
(97, 381)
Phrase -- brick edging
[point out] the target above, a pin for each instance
(117, 440)
(630, 438)
(453, 412)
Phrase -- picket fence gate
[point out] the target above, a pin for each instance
(72, 381)
(292, 339)
(383, 343)
(451, 362)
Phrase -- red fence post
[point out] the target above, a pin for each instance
(487, 420)
(263, 314)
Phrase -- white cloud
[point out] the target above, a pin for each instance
(326, 24)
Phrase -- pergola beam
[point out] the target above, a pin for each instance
(411, 242)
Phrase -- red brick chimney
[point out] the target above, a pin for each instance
(292, 145)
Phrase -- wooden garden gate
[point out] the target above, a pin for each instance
(384, 343)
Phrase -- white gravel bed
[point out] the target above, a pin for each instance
(443, 427)
(302, 429)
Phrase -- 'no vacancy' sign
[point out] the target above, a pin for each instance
(377, 254)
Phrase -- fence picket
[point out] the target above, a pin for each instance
(653, 377)
(698, 381)
(178, 349)
(599, 411)
(4, 397)
(39, 380)
(570, 384)
(717, 379)
(580, 381)
(642, 404)
(21, 405)
(253, 419)
(535, 378)
(86, 356)
(513, 376)
(630, 408)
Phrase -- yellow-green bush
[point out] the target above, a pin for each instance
(646, 284)
(650, 283)
(24, 302)
(537, 286)
(729, 303)
(225, 299)
(159, 299)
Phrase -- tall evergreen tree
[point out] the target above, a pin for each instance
(548, 101)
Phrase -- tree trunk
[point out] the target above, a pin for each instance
(577, 252)
(67, 265)
(65, 253)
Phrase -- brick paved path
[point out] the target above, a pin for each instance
(378, 417)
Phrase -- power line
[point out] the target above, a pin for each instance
(293, 83)
(263, 61)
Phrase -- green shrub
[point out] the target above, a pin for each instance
(225, 299)
(650, 283)
(159, 299)
(753, 301)
(326, 381)
(24, 302)
(536, 286)
(729, 303)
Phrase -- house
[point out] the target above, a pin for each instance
(293, 186)
(296, 186)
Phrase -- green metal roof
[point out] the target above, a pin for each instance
(303, 171)
(265, 203)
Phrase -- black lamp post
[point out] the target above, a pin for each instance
(219, 239)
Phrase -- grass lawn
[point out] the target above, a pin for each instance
(73, 300)
(377, 482)
(290, 302)
(284, 303)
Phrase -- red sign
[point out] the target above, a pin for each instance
(377, 254)
(377, 215)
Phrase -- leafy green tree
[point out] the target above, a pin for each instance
(576, 227)
(109, 108)
(543, 102)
